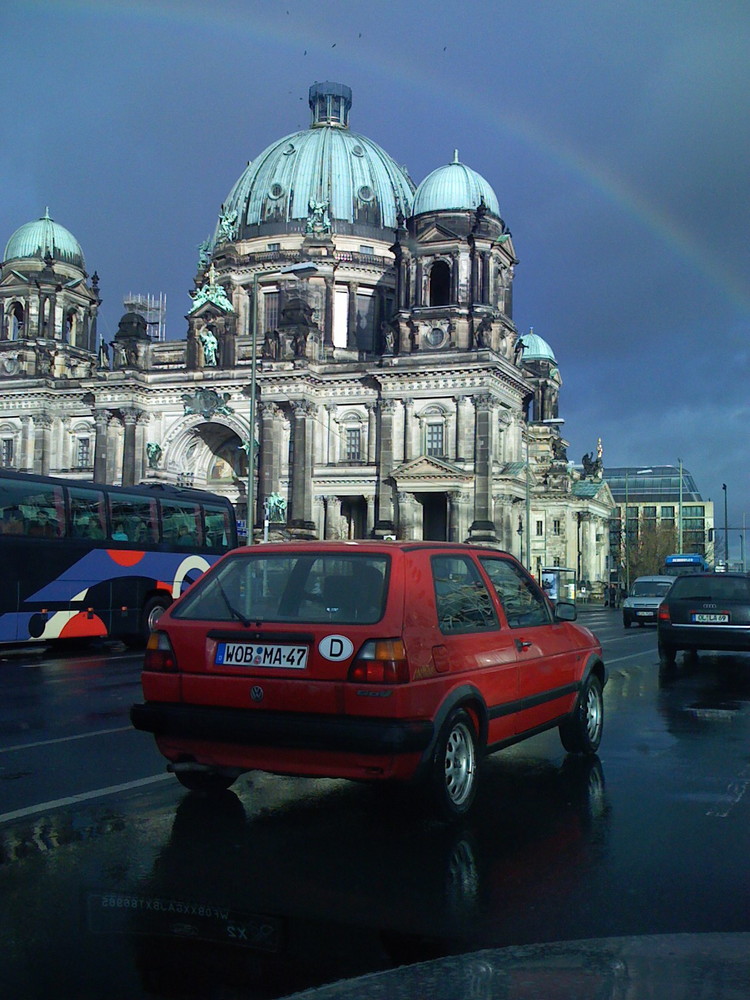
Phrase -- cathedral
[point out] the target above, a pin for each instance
(350, 366)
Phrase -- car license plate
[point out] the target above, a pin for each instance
(709, 619)
(645, 614)
(260, 654)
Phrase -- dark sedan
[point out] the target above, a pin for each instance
(705, 611)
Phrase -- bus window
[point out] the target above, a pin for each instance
(133, 519)
(33, 509)
(86, 513)
(181, 524)
(218, 527)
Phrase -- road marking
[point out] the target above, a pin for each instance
(72, 800)
(630, 656)
(65, 739)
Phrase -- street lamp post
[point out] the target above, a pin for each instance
(726, 528)
(303, 269)
(679, 513)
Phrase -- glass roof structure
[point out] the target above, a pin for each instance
(657, 484)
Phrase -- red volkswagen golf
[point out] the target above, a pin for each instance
(402, 661)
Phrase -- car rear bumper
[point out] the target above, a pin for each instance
(735, 640)
(282, 729)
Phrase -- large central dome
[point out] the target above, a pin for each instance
(362, 188)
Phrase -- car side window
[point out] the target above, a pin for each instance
(523, 602)
(461, 597)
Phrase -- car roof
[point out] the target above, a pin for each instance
(370, 544)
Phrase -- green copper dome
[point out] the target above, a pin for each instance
(454, 187)
(353, 184)
(45, 238)
(535, 348)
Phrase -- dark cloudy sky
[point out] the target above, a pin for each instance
(615, 134)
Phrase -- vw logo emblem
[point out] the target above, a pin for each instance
(256, 692)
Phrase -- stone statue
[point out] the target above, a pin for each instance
(275, 505)
(318, 221)
(227, 225)
(559, 454)
(103, 355)
(210, 347)
(481, 335)
(271, 345)
(204, 254)
(592, 467)
(153, 454)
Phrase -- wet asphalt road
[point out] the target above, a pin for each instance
(117, 883)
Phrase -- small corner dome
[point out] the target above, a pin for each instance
(535, 348)
(454, 187)
(45, 238)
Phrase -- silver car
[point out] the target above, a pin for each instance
(644, 599)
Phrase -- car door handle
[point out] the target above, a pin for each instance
(522, 644)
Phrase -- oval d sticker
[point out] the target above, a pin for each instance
(335, 647)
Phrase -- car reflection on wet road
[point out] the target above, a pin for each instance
(285, 883)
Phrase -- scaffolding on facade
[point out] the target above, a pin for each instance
(154, 310)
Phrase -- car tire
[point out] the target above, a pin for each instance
(581, 732)
(204, 782)
(667, 655)
(626, 623)
(454, 766)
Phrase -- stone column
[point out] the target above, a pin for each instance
(269, 471)
(384, 524)
(408, 517)
(101, 420)
(64, 445)
(408, 405)
(26, 462)
(301, 472)
(371, 433)
(129, 419)
(42, 443)
(418, 282)
(328, 321)
(351, 326)
(483, 527)
(329, 458)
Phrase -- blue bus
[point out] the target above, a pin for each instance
(84, 560)
(684, 562)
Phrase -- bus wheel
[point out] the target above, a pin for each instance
(153, 609)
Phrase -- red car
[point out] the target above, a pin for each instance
(403, 661)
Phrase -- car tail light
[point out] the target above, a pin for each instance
(663, 613)
(381, 661)
(159, 654)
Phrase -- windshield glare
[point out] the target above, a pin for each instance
(290, 588)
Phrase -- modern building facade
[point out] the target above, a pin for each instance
(660, 498)
(350, 331)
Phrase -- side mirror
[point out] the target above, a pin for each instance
(565, 611)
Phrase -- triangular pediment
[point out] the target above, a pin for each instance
(437, 234)
(425, 468)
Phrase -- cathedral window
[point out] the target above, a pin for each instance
(539, 528)
(83, 453)
(16, 322)
(6, 453)
(434, 439)
(440, 284)
(353, 444)
(270, 310)
(556, 526)
(365, 330)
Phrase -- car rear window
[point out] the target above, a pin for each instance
(298, 587)
(646, 589)
(711, 588)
